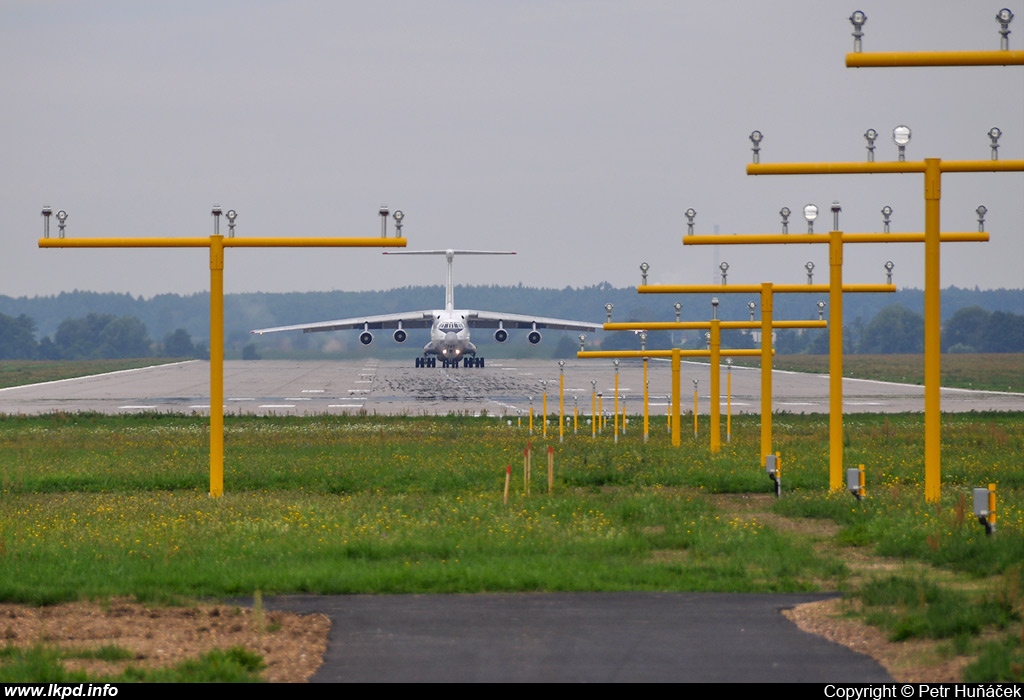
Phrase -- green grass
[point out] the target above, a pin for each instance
(102, 506)
(989, 371)
(22, 372)
(44, 664)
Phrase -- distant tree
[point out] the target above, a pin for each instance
(894, 329)
(1003, 332)
(249, 352)
(102, 336)
(179, 344)
(125, 336)
(565, 348)
(17, 338)
(963, 331)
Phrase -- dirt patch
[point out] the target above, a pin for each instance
(292, 645)
(911, 661)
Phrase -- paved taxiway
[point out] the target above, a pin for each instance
(577, 638)
(503, 387)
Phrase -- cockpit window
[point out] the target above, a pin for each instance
(450, 326)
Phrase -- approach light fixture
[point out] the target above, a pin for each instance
(232, 215)
(1004, 17)
(62, 218)
(608, 310)
(399, 216)
(821, 310)
(871, 135)
(644, 267)
(707, 338)
(889, 265)
(46, 213)
(756, 137)
(858, 19)
(784, 213)
(994, 133)
(810, 272)
(835, 215)
(384, 212)
(724, 267)
(901, 137)
(583, 339)
(714, 309)
(215, 212)
(810, 214)
(643, 340)
(750, 307)
(886, 213)
(679, 309)
(980, 211)
(690, 214)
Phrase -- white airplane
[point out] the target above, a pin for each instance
(449, 327)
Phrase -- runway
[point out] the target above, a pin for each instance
(503, 388)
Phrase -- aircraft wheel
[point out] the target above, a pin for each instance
(480, 362)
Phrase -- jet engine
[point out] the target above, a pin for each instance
(400, 336)
(534, 337)
(500, 335)
(366, 337)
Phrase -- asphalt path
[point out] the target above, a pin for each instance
(502, 388)
(576, 637)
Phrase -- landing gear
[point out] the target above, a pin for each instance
(468, 362)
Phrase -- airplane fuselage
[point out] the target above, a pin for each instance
(449, 336)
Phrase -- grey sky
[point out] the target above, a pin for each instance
(575, 132)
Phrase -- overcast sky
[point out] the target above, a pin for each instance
(575, 132)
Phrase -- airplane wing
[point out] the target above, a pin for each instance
(410, 319)
(494, 319)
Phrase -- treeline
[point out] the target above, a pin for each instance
(93, 337)
(899, 330)
(74, 325)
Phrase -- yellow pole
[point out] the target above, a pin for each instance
(716, 386)
(561, 405)
(728, 404)
(593, 414)
(767, 301)
(932, 338)
(695, 406)
(531, 416)
(646, 398)
(544, 416)
(835, 364)
(216, 366)
(616, 422)
(676, 400)
(600, 412)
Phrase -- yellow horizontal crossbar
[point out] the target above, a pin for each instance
(585, 354)
(197, 242)
(788, 238)
(861, 167)
(756, 288)
(702, 325)
(919, 59)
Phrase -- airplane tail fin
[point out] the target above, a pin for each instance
(449, 290)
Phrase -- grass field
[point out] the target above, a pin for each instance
(100, 506)
(110, 506)
(992, 371)
(22, 372)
